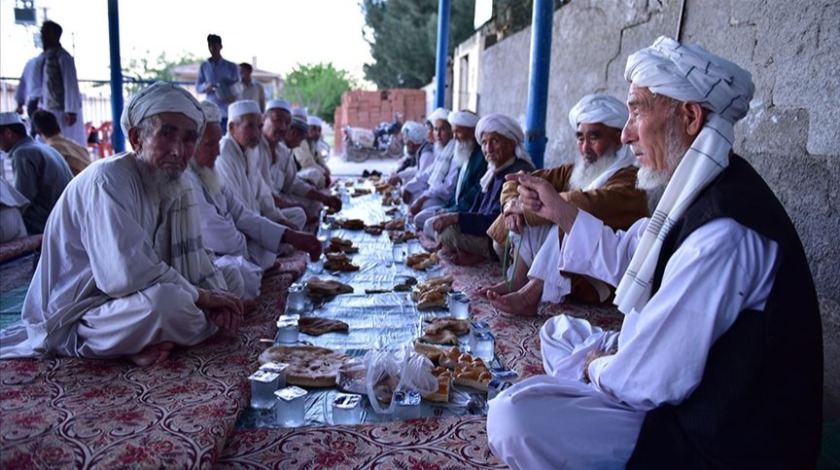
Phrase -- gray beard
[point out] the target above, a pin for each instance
(208, 176)
(650, 179)
(583, 173)
(160, 184)
(463, 150)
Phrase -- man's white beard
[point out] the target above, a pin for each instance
(162, 184)
(584, 173)
(208, 176)
(648, 178)
(463, 150)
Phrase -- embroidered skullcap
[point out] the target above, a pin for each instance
(687, 72)
(243, 107)
(314, 121)
(599, 109)
(279, 104)
(160, 98)
(10, 118)
(211, 112)
(440, 114)
(414, 132)
(463, 118)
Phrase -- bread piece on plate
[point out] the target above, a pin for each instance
(444, 378)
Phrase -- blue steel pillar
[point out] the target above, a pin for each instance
(442, 52)
(117, 136)
(541, 30)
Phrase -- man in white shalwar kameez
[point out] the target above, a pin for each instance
(245, 243)
(419, 153)
(123, 272)
(238, 166)
(278, 166)
(719, 361)
(60, 93)
(601, 180)
(433, 188)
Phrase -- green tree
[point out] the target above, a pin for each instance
(140, 71)
(403, 36)
(318, 87)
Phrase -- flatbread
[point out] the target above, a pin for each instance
(339, 262)
(350, 224)
(398, 236)
(459, 327)
(431, 299)
(316, 287)
(309, 366)
(443, 337)
(318, 326)
(420, 261)
(395, 224)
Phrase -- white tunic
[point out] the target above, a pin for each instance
(101, 289)
(556, 420)
(281, 174)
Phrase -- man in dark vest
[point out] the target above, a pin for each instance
(719, 361)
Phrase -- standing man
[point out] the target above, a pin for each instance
(28, 93)
(123, 270)
(40, 171)
(719, 361)
(217, 78)
(59, 86)
(251, 90)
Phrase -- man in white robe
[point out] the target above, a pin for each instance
(719, 360)
(238, 166)
(245, 243)
(419, 153)
(601, 180)
(59, 85)
(278, 165)
(123, 272)
(311, 165)
(28, 92)
(434, 187)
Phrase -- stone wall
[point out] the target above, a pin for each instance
(791, 134)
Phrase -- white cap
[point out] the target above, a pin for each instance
(315, 121)
(279, 104)
(440, 114)
(9, 118)
(242, 107)
(211, 111)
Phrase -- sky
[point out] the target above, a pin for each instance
(280, 34)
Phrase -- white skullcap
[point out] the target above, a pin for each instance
(160, 98)
(314, 121)
(299, 113)
(211, 111)
(440, 114)
(279, 104)
(687, 72)
(463, 118)
(414, 132)
(243, 107)
(10, 118)
(599, 109)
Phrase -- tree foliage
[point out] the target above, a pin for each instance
(318, 87)
(139, 72)
(403, 37)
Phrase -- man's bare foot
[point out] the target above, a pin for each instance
(152, 354)
(524, 302)
(466, 259)
(499, 288)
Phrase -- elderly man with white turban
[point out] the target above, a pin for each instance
(312, 167)
(601, 181)
(278, 166)
(419, 153)
(719, 361)
(471, 167)
(123, 271)
(239, 166)
(437, 181)
(463, 234)
(244, 242)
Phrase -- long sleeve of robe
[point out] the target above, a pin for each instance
(487, 206)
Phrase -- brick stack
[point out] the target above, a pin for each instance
(367, 109)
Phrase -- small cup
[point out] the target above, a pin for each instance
(296, 301)
(459, 305)
(291, 406)
(347, 408)
(263, 385)
(278, 368)
(398, 253)
(407, 404)
(287, 329)
(484, 346)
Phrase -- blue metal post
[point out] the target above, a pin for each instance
(541, 30)
(117, 136)
(442, 52)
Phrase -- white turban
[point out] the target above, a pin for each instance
(160, 98)
(414, 132)
(440, 114)
(599, 109)
(243, 107)
(315, 121)
(685, 73)
(211, 111)
(9, 118)
(507, 127)
(278, 104)
(299, 113)
(463, 118)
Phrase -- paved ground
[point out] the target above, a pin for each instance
(340, 167)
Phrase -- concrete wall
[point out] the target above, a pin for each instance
(791, 134)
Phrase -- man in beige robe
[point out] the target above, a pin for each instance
(601, 181)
